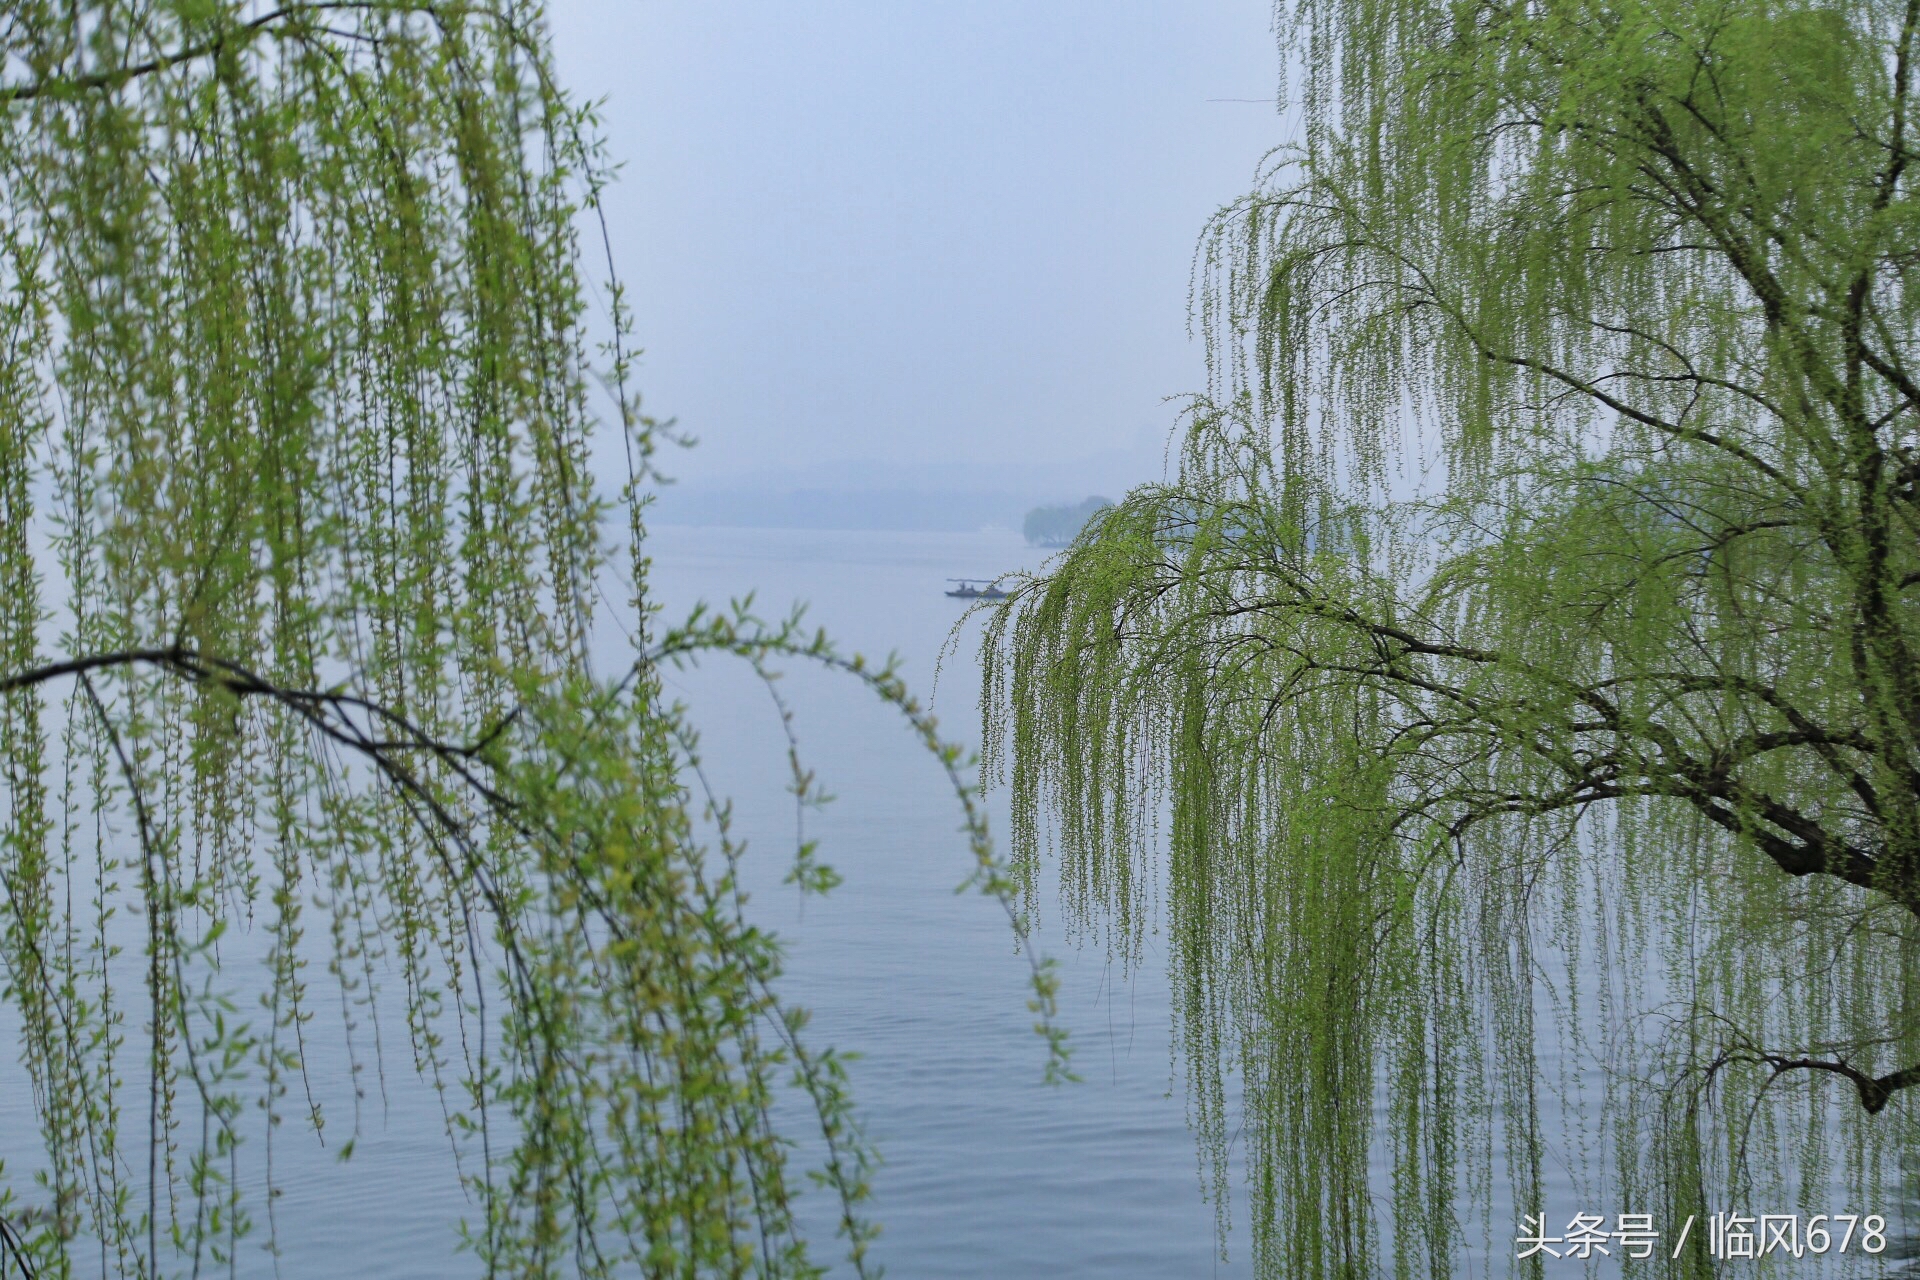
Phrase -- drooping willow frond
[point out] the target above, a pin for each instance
(301, 561)
(1601, 756)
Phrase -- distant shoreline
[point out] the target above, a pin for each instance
(855, 510)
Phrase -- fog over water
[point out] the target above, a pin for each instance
(941, 250)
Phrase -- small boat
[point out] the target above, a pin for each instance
(975, 589)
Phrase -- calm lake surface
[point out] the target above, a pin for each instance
(988, 1171)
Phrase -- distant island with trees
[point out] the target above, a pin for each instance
(1057, 526)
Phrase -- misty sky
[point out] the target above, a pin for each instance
(909, 238)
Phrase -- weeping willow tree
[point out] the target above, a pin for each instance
(302, 569)
(1518, 672)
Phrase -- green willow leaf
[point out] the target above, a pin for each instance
(1603, 754)
(300, 566)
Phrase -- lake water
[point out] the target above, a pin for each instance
(988, 1171)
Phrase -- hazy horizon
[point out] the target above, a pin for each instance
(915, 249)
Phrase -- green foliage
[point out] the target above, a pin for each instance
(1057, 526)
(300, 558)
(1604, 749)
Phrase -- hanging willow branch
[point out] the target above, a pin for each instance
(1527, 809)
(301, 553)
